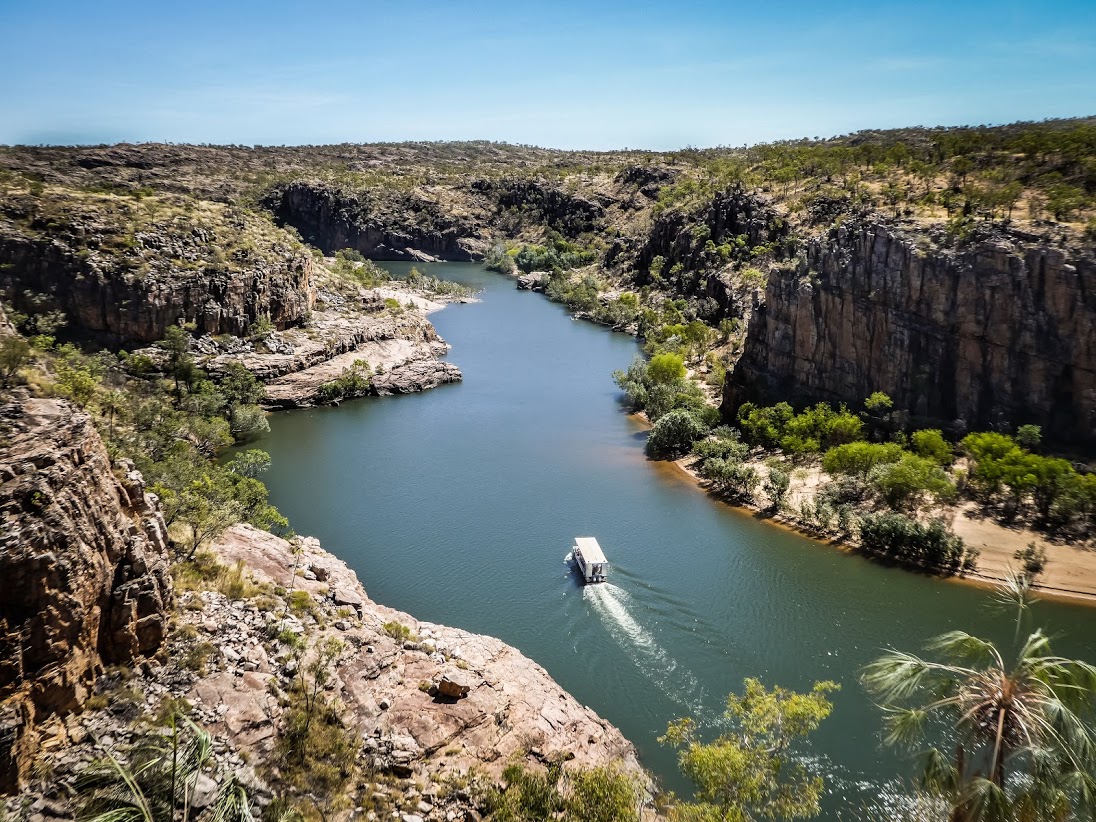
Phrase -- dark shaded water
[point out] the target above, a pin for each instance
(458, 505)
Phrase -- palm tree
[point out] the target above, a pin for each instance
(1023, 745)
(156, 782)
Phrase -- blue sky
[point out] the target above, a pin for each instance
(564, 74)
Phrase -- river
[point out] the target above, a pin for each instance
(459, 504)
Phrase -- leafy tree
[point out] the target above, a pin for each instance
(246, 422)
(208, 507)
(633, 383)
(751, 772)
(1029, 436)
(674, 434)
(764, 425)
(1064, 199)
(878, 404)
(878, 413)
(930, 545)
(239, 386)
(989, 452)
(724, 444)
(249, 463)
(14, 354)
(930, 443)
(666, 369)
(904, 484)
(732, 477)
(859, 458)
(181, 367)
(659, 385)
(1019, 736)
(776, 486)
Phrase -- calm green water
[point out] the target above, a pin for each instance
(458, 505)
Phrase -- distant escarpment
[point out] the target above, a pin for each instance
(1000, 330)
(407, 227)
(84, 570)
(123, 269)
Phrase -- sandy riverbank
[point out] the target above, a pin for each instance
(1070, 572)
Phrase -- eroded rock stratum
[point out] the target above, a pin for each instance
(83, 567)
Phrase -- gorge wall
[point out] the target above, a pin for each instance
(407, 229)
(999, 332)
(123, 270)
(83, 559)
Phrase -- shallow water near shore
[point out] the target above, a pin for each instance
(458, 505)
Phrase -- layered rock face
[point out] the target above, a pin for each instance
(998, 332)
(333, 220)
(681, 238)
(549, 205)
(124, 271)
(84, 570)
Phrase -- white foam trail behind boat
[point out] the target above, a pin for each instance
(611, 604)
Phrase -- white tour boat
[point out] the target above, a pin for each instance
(590, 560)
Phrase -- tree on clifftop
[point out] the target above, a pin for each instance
(750, 772)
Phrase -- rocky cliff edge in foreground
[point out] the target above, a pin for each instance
(512, 707)
(83, 572)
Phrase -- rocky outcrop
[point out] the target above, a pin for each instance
(1000, 331)
(403, 350)
(696, 248)
(124, 273)
(533, 281)
(405, 229)
(83, 564)
(543, 203)
(414, 690)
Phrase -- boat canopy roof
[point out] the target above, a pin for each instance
(591, 551)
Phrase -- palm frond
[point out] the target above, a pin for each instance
(938, 775)
(125, 814)
(904, 726)
(960, 646)
(898, 676)
(231, 804)
(985, 801)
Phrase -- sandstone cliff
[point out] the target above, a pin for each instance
(1000, 331)
(123, 269)
(83, 565)
(394, 228)
(700, 244)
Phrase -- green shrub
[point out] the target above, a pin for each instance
(666, 369)
(776, 486)
(732, 477)
(721, 447)
(859, 458)
(499, 259)
(930, 443)
(905, 483)
(355, 381)
(901, 539)
(398, 631)
(674, 434)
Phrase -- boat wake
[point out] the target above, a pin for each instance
(611, 605)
